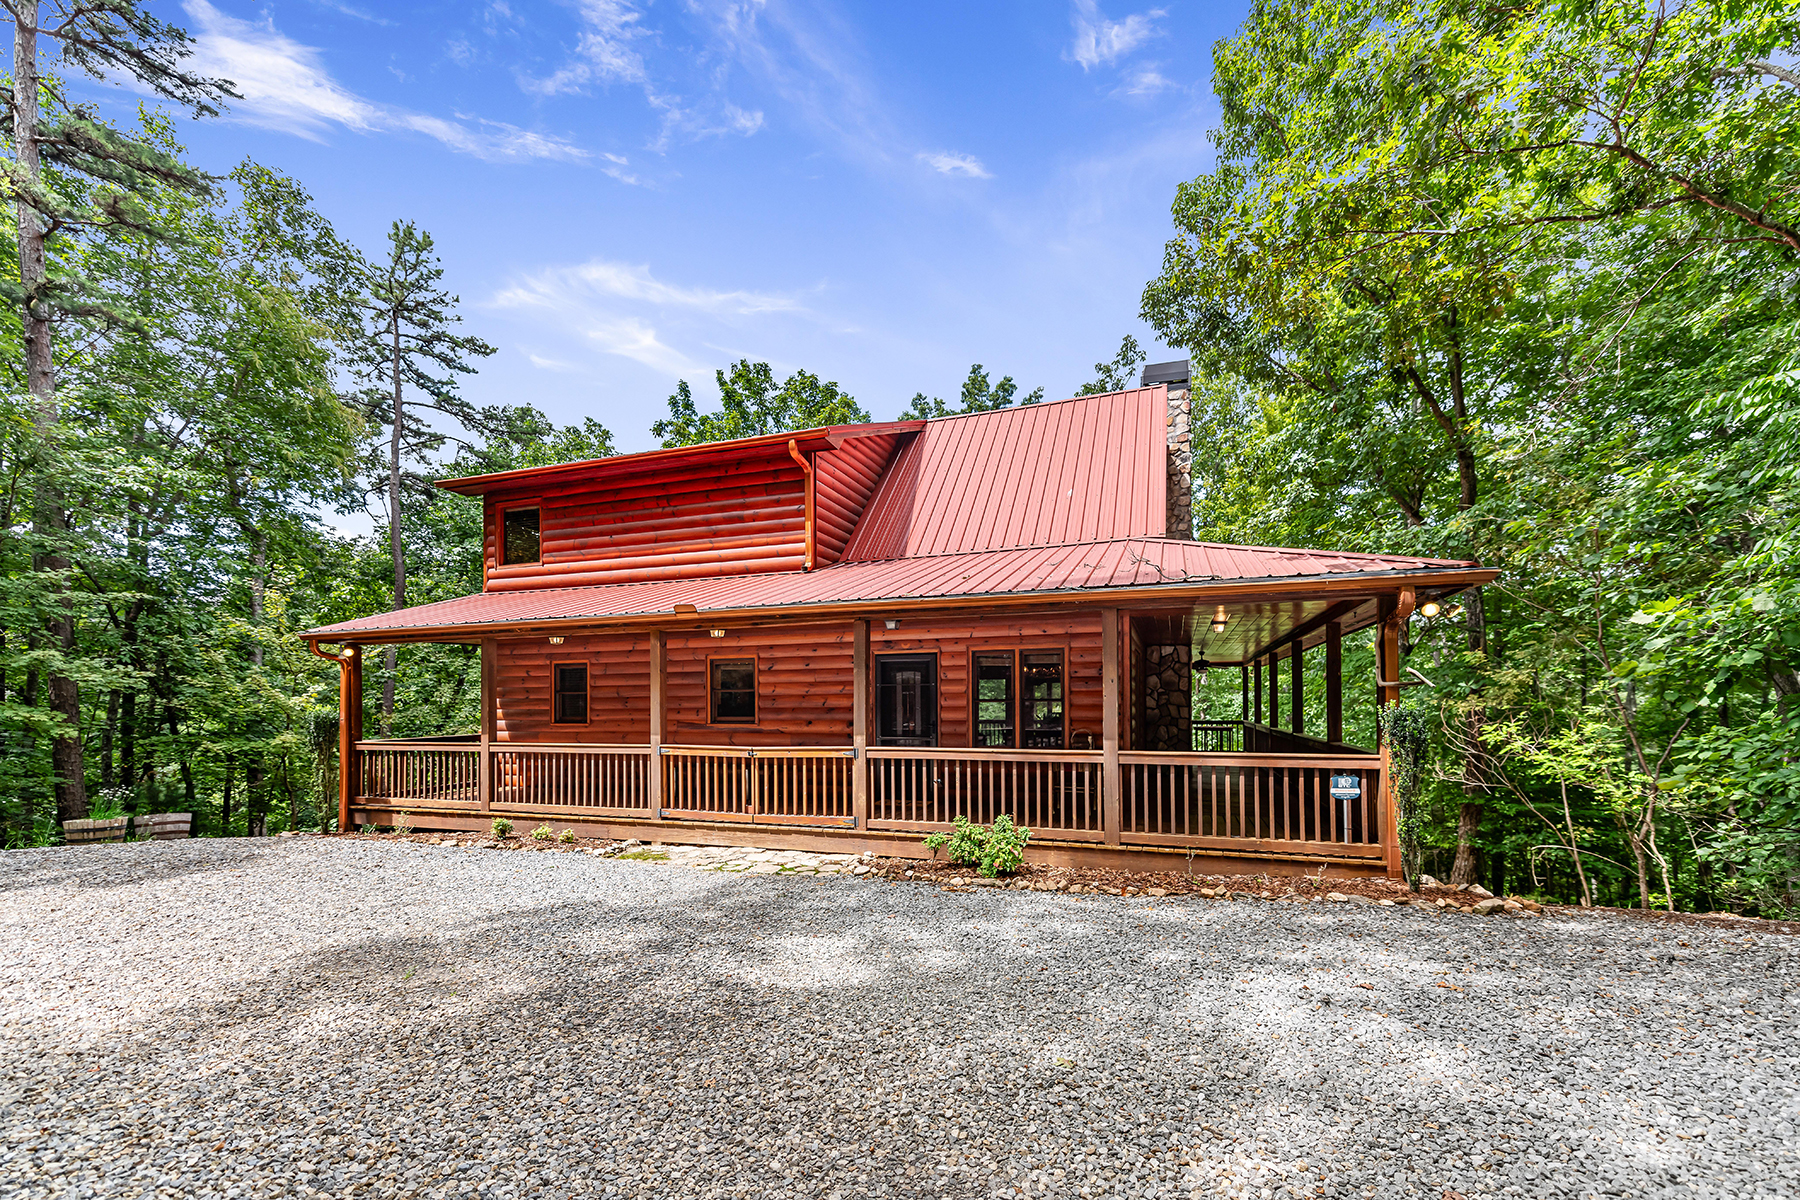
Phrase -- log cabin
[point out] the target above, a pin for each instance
(845, 638)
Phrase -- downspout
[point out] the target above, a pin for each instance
(346, 663)
(794, 452)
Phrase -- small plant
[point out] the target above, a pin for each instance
(370, 829)
(403, 826)
(1003, 850)
(542, 833)
(566, 837)
(997, 849)
(502, 827)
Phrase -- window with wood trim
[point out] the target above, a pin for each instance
(731, 691)
(1041, 725)
(569, 703)
(518, 536)
(994, 700)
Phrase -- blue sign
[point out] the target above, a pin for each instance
(1346, 787)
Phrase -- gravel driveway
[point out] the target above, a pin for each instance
(281, 1017)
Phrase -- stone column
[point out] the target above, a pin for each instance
(1168, 698)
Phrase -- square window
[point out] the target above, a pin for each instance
(733, 691)
(519, 536)
(571, 686)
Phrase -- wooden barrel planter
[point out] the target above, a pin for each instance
(165, 827)
(110, 829)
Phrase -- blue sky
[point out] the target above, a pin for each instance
(630, 192)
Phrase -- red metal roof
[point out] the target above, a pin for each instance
(1078, 567)
(1084, 470)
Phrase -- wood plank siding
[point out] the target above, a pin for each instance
(805, 677)
(697, 522)
(845, 479)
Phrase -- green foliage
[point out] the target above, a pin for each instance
(997, 849)
(566, 837)
(1406, 730)
(750, 405)
(1119, 374)
(370, 829)
(978, 395)
(542, 833)
(502, 828)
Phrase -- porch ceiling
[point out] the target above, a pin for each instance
(1270, 590)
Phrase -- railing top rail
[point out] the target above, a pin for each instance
(570, 748)
(1076, 756)
(760, 751)
(1177, 758)
(419, 744)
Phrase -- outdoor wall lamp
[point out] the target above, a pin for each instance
(556, 641)
(717, 632)
(892, 624)
(1220, 616)
(1430, 608)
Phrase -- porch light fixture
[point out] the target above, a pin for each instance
(892, 624)
(1429, 608)
(1220, 617)
(716, 632)
(1201, 668)
(556, 641)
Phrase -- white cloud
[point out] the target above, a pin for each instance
(965, 165)
(1101, 41)
(605, 48)
(285, 86)
(603, 302)
(1147, 81)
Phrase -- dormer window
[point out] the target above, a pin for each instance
(519, 536)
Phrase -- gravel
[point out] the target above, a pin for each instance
(322, 1017)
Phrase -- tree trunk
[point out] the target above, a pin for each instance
(225, 806)
(259, 582)
(48, 520)
(107, 733)
(394, 540)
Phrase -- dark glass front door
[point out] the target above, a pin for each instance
(906, 707)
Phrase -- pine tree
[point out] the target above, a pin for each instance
(407, 340)
(71, 176)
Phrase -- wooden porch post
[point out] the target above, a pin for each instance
(1244, 671)
(658, 666)
(1297, 686)
(1334, 681)
(490, 650)
(349, 733)
(859, 770)
(1109, 725)
(1255, 668)
(1274, 691)
(1394, 613)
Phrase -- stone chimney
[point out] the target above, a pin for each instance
(1174, 376)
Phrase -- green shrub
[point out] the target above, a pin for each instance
(502, 827)
(566, 837)
(403, 825)
(1003, 850)
(997, 849)
(371, 828)
(542, 833)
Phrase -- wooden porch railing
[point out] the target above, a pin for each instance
(441, 774)
(1250, 803)
(774, 786)
(1053, 793)
(1272, 802)
(596, 779)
